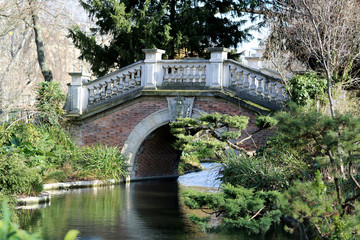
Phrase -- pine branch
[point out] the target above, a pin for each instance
(351, 175)
(257, 213)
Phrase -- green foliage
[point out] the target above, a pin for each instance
(273, 167)
(306, 88)
(45, 150)
(179, 27)
(35, 152)
(103, 161)
(71, 235)
(315, 205)
(240, 208)
(258, 172)
(10, 231)
(318, 134)
(264, 122)
(331, 143)
(208, 135)
(200, 221)
(50, 101)
(16, 177)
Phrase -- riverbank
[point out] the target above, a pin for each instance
(208, 178)
(45, 196)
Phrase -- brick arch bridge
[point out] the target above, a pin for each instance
(132, 107)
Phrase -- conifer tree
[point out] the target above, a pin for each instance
(181, 27)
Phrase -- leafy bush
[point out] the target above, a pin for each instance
(306, 88)
(53, 148)
(16, 177)
(50, 103)
(103, 161)
(239, 208)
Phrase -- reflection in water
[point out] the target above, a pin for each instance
(141, 210)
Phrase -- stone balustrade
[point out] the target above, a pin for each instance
(153, 73)
(251, 84)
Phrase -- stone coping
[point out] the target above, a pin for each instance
(45, 197)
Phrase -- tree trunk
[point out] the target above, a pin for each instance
(46, 72)
(331, 102)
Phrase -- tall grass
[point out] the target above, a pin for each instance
(104, 161)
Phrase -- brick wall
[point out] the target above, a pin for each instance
(114, 126)
(156, 156)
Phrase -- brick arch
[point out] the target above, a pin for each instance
(142, 130)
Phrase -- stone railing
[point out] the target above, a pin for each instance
(187, 72)
(191, 73)
(84, 94)
(251, 84)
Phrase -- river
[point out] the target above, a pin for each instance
(140, 210)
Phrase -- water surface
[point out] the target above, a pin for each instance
(141, 210)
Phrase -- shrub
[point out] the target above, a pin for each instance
(239, 208)
(268, 170)
(50, 102)
(16, 177)
(314, 204)
(103, 161)
(307, 87)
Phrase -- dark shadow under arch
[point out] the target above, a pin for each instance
(156, 156)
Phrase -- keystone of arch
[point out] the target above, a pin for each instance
(143, 129)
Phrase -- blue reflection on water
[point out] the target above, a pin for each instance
(206, 178)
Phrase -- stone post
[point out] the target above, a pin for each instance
(215, 74)
(77, 99)
(151, 74)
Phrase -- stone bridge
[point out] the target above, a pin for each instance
(132, 107)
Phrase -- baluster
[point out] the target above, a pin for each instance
(126, 82)
(273, 92)
(166, 74)
(132, 79)
(97, 88)
(266, 88)
(197, 75)
(91, 95)
(121, 84)
(108, 88)
(191, 73)
(280, 97)
(178, 75)
(138, 77)
(239, 76)
(246, 76)
(103, 90)
(259, 89)
(253, 84)
(232, 76)
(172, 73)
(115, 86)
(203, 74)
(185, 73)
